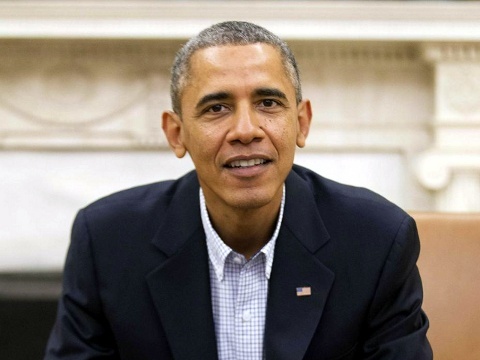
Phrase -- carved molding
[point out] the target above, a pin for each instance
(451, 52)
(83, 93)
(436, 167)
(328, 20)
(457, 81)
(69, 93)
(451, 167)
(462, 195)
(358, 54)
(458, 89)
(60, 94)
(373, 138)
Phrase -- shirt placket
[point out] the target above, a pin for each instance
(246, 323)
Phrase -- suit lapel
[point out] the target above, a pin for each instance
(291, 319)
(180, 287)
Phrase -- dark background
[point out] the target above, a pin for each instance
(28, 305)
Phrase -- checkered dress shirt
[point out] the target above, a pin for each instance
(239, 292)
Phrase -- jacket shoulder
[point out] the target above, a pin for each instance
(143, 199)
(334, 199)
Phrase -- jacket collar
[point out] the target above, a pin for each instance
(182, 218)
(291, 320)
(180, 287)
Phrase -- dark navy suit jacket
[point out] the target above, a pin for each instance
(136, 278)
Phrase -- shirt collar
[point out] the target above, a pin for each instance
(218, 251)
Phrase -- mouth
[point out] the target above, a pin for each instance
(246, 163)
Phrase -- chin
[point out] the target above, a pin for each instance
(251, 199)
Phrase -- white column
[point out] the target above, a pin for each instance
(451, 167)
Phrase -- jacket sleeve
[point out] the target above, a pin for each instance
(397, 325)
(81, 330)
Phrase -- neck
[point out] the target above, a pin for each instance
(245, 231)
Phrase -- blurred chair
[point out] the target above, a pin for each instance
(450, 268)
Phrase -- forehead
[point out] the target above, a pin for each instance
(213, 53)
(234, 64)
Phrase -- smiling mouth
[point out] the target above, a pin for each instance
(246, 163)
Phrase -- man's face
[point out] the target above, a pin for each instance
(240, 124)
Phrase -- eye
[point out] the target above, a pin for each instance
(269, 103)
(214, 111)
(216, 108)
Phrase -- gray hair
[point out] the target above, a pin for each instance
(229, 33)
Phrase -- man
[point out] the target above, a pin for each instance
(249, 256)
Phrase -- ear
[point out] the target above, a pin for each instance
(304, 110)
(172, 126)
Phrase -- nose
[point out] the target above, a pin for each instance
(246, 126)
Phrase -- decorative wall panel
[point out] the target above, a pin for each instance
(83, 94)
(367, 96)
(451, 165)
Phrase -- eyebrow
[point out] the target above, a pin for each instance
(221, 95)
(270, 92)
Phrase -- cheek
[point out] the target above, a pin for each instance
(287, 143)
(203, 142)
(283, 134)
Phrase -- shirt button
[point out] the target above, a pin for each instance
(237, 260)
(246, 316)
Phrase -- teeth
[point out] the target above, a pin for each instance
(246, 163)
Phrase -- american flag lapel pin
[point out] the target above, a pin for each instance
(304, 291)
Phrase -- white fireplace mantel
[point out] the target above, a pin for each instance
(311, 20)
